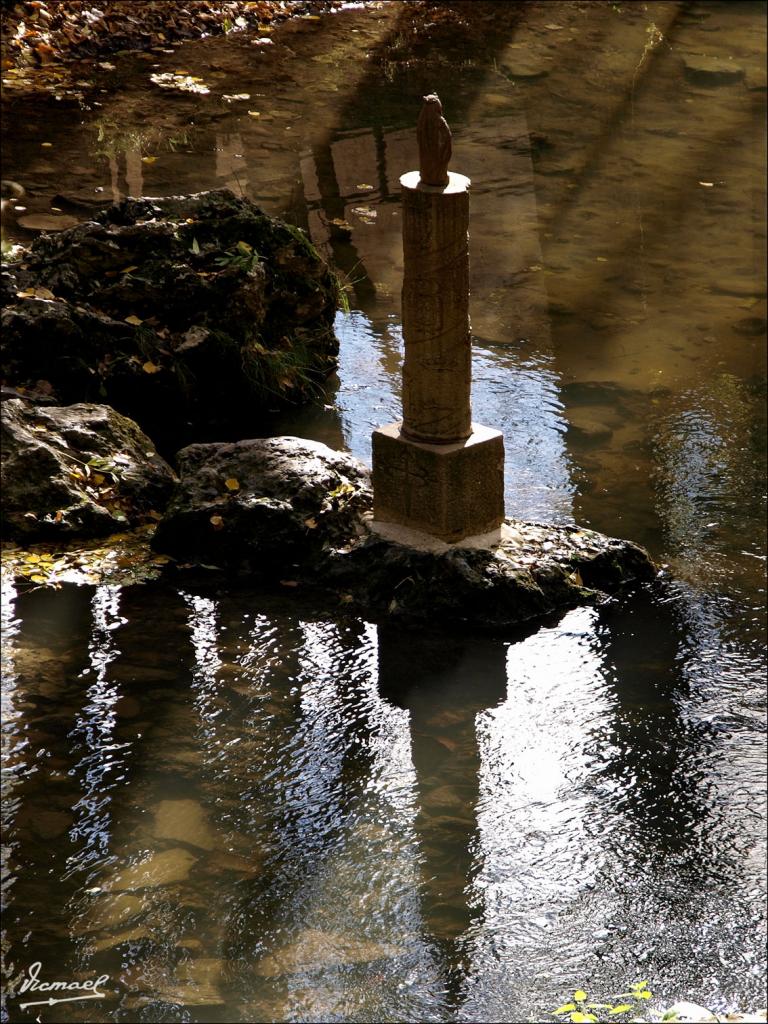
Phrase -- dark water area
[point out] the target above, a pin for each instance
(239, 805)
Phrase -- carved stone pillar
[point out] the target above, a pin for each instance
(437, 371)
(436, 472)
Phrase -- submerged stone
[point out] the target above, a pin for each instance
(222, 860)
(110, 941)
(319, 949)
(703, 70)
(46, 222)
(109, 911)
(183, 820)
(158, 869)
(526, 67)
(196, 983)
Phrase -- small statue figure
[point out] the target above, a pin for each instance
(434, 138)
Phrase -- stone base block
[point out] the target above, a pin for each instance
(450, 491)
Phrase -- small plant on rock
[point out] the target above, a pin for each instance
(241, 257)
(580, 1010)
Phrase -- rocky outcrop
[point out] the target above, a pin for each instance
(533, 571)
(189, 314)
(285, 508)
(263, 506)
(77, 471)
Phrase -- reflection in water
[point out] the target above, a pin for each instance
(356, 823)
(12, 766)
(709, 455)
(93, 736)
(332, 922)
(443, 683)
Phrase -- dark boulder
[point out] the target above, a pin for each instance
(190, 314)
(534, 571)
(77, 471)
(263, 506)
(285, 508)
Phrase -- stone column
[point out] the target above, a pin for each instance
(436, 472)
(437, 371)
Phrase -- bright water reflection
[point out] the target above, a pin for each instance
(345, 826)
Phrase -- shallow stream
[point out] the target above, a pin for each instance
(241, 806)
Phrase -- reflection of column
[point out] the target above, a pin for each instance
(345, 255)
(443, 682)
(338, 882)
(114, 178)
(134, 177)
(230, 163)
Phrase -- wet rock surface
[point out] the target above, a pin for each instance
(262, 505)
(77, 471)
(291, 509)
(534, 570)
(186, 313)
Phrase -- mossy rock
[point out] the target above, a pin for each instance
(188, 313)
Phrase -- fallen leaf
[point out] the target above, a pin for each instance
(216, 522)
(232, 484)
(150, 367)
(311, 523)
(148, 159)
(134, 320)
(254, 113)
(47, 145)
(288, 583)
(707, 184)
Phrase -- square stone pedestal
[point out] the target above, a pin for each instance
(450, 491)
